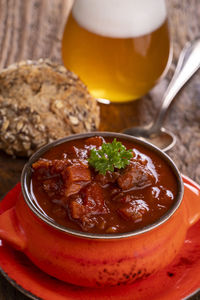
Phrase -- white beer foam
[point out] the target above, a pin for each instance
(120, 18)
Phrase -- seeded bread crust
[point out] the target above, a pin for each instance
(41, 101)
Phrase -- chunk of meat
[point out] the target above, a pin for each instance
(134, 210)
(109, 177)
(42, 168)
(88, 208)
(76, 173)
(95, 141)
(42, 163)
(73, 188)
(77, 210)
(59, 165)
(48, 168)
(61, 177)
(135, 175)
(75, 178)
(94, 200)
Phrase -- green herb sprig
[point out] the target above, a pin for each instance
(110, 156)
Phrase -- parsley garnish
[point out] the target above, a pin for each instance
(110, 156)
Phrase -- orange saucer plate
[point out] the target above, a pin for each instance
(178, 280)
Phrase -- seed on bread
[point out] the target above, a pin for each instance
(41, 101)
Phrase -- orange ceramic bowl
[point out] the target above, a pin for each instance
(96, 260)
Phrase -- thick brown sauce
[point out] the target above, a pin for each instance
(151, 200)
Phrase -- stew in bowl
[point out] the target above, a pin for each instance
(69, 189)
(99, 209)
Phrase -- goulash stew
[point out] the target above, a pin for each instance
(103, 185)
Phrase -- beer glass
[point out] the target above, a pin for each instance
(118, 48)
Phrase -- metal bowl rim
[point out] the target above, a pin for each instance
(26, 176)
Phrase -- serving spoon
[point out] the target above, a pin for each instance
(188, 64)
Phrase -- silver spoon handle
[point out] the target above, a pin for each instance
(188, 64)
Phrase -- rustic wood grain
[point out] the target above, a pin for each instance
(32, 29)
(183, 118)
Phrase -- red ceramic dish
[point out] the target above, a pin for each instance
(91, 259)
(178, 280)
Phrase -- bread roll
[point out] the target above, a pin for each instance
(41, 101)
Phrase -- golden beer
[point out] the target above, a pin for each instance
(119, 56)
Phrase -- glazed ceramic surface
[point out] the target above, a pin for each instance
(92, 260)
(178, 280)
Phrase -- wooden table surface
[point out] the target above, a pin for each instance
(33, 29)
